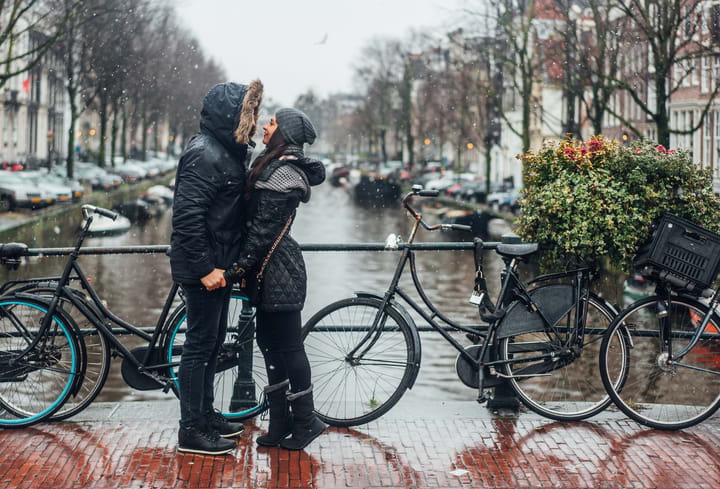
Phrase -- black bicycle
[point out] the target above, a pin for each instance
(542, 337)
(57, 342)
(669, 342)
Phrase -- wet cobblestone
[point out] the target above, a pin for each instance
(412, 453)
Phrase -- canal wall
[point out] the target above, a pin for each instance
(41, 227)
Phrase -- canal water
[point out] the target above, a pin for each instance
(135, 286)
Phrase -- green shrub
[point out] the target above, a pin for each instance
(594, 203)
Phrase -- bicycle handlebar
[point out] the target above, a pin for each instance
(420, 192)
(88, 209)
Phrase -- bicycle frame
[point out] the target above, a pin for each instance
(663, 294)
(100, 316)
(509, 291)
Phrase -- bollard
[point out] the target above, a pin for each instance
(243, 396)
(504, 397)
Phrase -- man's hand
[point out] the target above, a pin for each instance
(214, 280)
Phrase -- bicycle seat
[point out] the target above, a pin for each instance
(516, 250)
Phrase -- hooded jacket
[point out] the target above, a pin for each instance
(208, 208)
(276, 196)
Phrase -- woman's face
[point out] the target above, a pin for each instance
(269, 129)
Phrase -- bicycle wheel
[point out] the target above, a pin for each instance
(96, 356)
(555, 385)
(240, 376)
(35, 384)
(656, 394)
(352, 390)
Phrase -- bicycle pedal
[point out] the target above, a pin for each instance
(168, 385)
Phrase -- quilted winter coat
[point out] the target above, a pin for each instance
(280, 189)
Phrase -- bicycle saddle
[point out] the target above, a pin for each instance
(516, 250)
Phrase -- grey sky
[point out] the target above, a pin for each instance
(276, 40)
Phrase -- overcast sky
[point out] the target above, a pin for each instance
(280, 41)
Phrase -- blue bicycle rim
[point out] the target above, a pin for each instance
(72, 374)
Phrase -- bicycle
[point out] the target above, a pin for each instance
(365, 351)
(34, 312)
(670, 341)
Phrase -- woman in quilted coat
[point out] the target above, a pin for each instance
(278, 181)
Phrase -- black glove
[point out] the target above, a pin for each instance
(234, 275)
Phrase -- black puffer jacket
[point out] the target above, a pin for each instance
(208, 207)
(275, 198)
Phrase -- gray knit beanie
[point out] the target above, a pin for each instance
(295, 126)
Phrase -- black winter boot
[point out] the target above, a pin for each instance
(203, 441)
(281, 421)
(225, 428)
(306, 426)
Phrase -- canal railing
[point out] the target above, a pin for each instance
(307, 247)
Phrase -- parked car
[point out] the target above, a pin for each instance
(507, 201)
(130, 172)
(98, 178)
(62, 192)
(75, 186)
(19, 192)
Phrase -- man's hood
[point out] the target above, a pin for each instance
(229, 113)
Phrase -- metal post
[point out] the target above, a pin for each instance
(243, 396)
(504, 396)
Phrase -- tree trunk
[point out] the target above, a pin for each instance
(114, 133)
(145, 125)
(103, 131)
(123, 134)
(661, 115)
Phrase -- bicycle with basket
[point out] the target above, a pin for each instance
(669, 342)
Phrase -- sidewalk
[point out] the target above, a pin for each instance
(446, 445)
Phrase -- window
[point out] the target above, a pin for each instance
(705, 74)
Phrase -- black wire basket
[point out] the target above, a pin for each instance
(680, 253)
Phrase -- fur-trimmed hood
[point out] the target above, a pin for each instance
(229, 113)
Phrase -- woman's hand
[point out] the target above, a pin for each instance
(214, 280)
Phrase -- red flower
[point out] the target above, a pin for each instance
(570, 153)
(670, 151)
(583, 150)
(660, 149)
(595, 145)
(637, 151)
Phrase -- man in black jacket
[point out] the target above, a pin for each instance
(207, 229)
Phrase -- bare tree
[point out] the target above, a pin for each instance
(672, 31)
(41, 21)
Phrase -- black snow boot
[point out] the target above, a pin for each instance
(203, 441)
(306, 425)
(281, 421)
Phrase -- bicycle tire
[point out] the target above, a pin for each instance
(564, 390)
(35, 385)
(330, 335)
(655, 394)
(251, 402)
(97, 357)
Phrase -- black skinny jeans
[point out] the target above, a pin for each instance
(207, 313)
(279, 336)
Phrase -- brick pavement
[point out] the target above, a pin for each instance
(412, 453)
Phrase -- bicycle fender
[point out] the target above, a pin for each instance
(413, 331)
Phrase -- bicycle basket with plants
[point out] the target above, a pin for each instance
(594, 202)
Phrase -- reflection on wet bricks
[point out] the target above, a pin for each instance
(414, 453)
